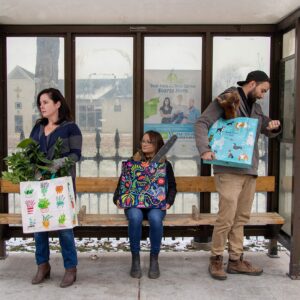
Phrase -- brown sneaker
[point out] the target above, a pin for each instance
(216, 269)
(242, 266)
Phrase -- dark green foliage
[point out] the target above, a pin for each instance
(30, 162)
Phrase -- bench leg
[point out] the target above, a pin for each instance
(3, 253)
(3, 230)
(273, 248)
(273, 245)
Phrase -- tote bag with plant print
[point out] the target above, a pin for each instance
(48, 205)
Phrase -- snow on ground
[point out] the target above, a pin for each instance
(94, 245)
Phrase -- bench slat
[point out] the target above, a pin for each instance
(185, 184)
(170, 220)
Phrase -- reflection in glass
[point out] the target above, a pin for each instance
(289, 43)
(40, 65)
(287, 100)
(233, 59)
(285, 185)
(104, 107)
(172, 98)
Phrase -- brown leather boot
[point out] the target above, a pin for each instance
(69, 277)
(242, 266)
(216, 269)
(43, 272)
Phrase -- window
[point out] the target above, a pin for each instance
(18, 124)
(104, 75)
(172, 102)
(233, 59)
(18, 105)
(41, 65)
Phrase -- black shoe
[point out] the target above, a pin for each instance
(154, 267)
(135, 271)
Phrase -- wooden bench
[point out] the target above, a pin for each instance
(192, 224)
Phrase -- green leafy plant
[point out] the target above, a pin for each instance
(29, 161)
(43, 203)
(62, 219)
(28, 191)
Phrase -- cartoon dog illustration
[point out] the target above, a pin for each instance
(230, 155)
(236, 147)
(243, 157)
(220, 129)
(239, 125)
(250, 139)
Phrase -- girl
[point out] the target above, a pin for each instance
(151, 142)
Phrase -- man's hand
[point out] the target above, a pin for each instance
(274, 124)
(209, 155)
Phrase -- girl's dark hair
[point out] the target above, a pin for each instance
(156, 139)
(64, 113)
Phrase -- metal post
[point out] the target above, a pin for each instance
(294, 268)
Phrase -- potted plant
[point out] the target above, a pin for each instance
(62, 220)
(46, 222)
(43, 204)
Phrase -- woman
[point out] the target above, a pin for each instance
(56, 122)
(166, 111)
(151, 142)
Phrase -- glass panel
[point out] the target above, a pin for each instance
(40, 65)
(285, 185)
(172, 101)
(233, 59)
(289, 43)
(287, 100)
(104, 110)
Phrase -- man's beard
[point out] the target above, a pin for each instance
(251, 96)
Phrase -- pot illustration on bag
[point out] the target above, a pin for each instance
(43, 204)
(46, 222)
(62, 220)
(44, 187)
(30, 206)
(60, 201)
(28, 192)
(59, 189)
(74, 221)
(31, 223)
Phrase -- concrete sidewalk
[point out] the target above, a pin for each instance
(184, 275)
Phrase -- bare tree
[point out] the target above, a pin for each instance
(46, 69)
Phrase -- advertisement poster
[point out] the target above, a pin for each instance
(172, 105)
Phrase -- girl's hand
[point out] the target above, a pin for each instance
(118, 205)
(167, 207)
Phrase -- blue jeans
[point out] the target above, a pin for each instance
(67, 243)
(135, 218)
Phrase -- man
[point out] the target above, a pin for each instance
(193, 113)
(236, 186)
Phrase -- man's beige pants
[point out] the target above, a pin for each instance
(236, 193)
